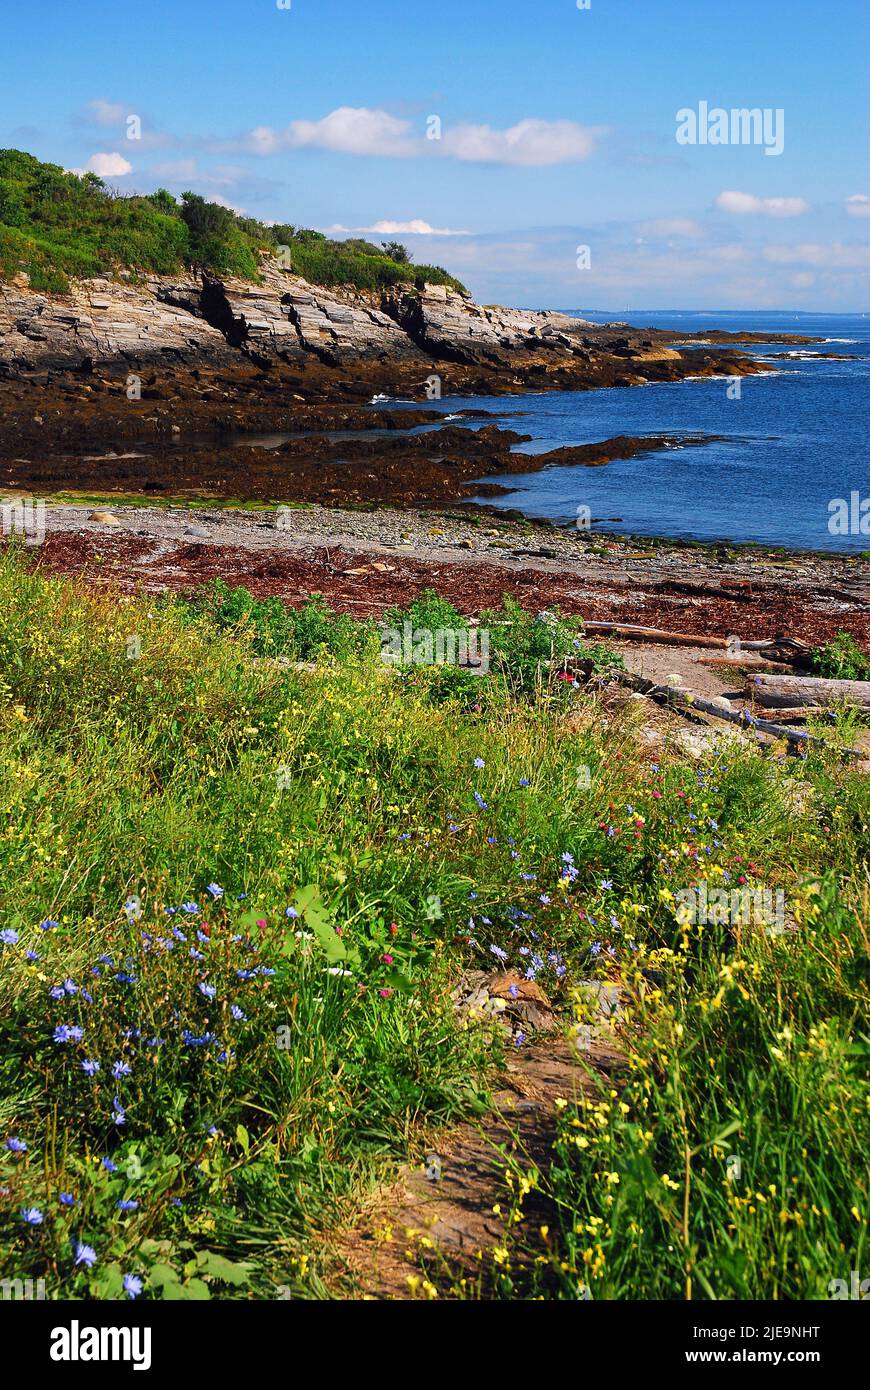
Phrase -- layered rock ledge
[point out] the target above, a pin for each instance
(285, 324)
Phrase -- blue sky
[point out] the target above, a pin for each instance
(557, 131)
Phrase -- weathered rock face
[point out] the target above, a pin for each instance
(284, 319)
(102, 323)
(449, 326)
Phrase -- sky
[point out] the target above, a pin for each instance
(548, 152)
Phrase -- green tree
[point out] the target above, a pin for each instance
(397, 252)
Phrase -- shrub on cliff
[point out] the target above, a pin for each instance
(360, 264)
(55, 224)
(215, 240)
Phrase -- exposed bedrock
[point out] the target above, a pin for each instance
(396, 339)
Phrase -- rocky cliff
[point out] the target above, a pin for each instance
(284, 320)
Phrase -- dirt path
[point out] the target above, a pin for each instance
(443, 1219)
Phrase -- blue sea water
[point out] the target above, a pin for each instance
(795, 440)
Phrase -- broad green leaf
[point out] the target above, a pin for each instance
(218, 1267)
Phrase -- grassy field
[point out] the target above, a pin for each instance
(235, 896)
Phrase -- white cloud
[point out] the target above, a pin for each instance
(363, 130)
(416, 227)
(858, 205)
(109, 166)
(347, 130)
(743, 203)
(530, 142)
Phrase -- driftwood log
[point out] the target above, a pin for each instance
(787, 691)
(633, 632)
(784, 649)
(689, 705)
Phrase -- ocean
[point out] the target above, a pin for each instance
(795, 441)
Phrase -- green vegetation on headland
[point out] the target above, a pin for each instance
(236, 896)
(55, 225)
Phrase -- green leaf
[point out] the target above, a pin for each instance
(195, 1290)
(218, 1267)
(317, 919)
(243, 1139)
(305, 897)
(394, 979)
(109, 1284)
(160, 1275)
